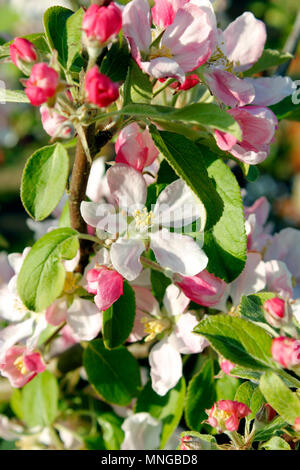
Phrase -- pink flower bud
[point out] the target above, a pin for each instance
(190, 81)
(286, 351)
(270, 412)
(21, 365)
(54, 124)
(226, 415)
(135, 147)
(226, 366)
(42, 84)
(275, 311)
(100, 90)
(101, 23)
(22, 53)
(204, 288)
(297, 424)
(107, 284)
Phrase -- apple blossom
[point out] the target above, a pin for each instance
(99, 88)
(20, 365)
(226, 415)
(142, 432)
(42, 84)
(286, 351)
(258, 126)
(184, 45)
(176, 206)
(135, 147)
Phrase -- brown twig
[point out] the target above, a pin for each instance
(79, 179)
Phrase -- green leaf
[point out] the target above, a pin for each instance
(16, 403)
(244, 393)
(202, 441)
(40, 400)
(269, 429)
(137, 87)
(44, 180)
(226, 387)
(12, 96)
(64, 219)
(55, 23)
(168, 408)
(276, 443)
(269, 58)
(201, 395)
(286, 109)
(186, 160)
(208, 115)
(226, 244)
(114, 374)
(112, 433)
(280, 397)
(238, 340)
(252, 306)
(118, 320)
(256, 402)
(116, 61)
(73, 36)
(42, 276)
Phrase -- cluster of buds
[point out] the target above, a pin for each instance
(106, 284)
(225, 415)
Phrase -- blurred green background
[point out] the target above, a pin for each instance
(21, 131)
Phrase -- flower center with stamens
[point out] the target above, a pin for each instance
(143, 219)
(154, 328)
(219, 59)
(71, 283)
(20, 365)
(162, 51)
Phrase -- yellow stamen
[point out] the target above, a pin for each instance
(143, 219)
(219, 58)
(162, 51)
(154, 328)
(19, 364)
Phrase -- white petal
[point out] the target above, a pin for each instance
(40, 325)
(142, 432)
(84, 319)
(279, 279)
(94, 213)
(177, 206)
(13, 334)
(95, 185)
(136, 23)
(271, 90)
(166, 367)
(145, 301)
(163, 67)
(286, 247)
(245, 39)
(183, 339)
(251, 280)
(125, 257)
(180, 253)
(127, 186)
(175, 301)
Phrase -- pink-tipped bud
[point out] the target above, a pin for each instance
(226, 366)
(275, 311)
(21, 365)
(204, 288)
(42, 84)
(54, 124)
(190, 81)
(190, 442)
(106, 284)
(23, 54)
(101, 23)
(297, 424)
(270, 412)
(226, 415)
(135, 147)
(99, 88)
(286, 351)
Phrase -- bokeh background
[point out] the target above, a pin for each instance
(21, 132)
